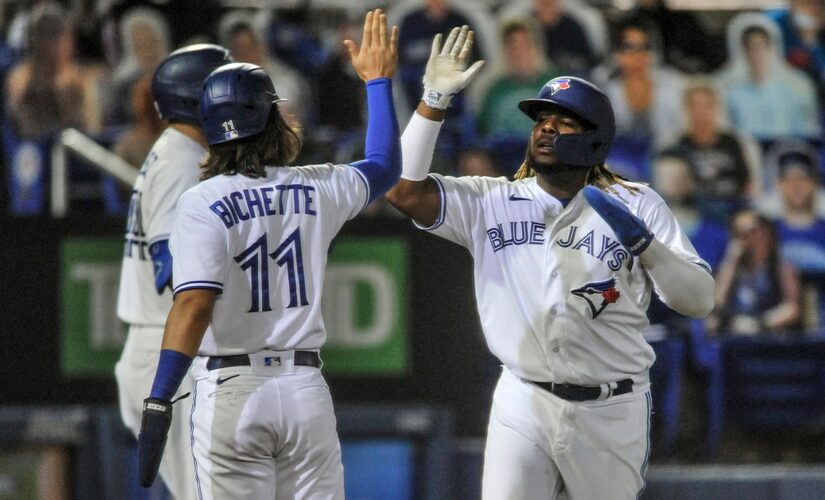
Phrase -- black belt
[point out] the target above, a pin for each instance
(572, 392)
(302, 358)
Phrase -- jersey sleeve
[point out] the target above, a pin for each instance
(165, 183)
(343, 187)
(198, 246)
(461, 207)
(665, 228)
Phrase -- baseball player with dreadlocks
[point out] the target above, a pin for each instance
(250, 246)
(145, 296)
(566, 257)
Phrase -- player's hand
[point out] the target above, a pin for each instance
(377, 57)
(447, 72)
(631, 230)
(154, 426)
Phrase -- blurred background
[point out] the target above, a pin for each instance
(719, 106)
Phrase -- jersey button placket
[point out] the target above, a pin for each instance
(551, 295)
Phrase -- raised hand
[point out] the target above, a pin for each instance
(377, 57)
(447, 72)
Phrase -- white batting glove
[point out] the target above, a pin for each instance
(447, 72)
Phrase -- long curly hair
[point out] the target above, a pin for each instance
(277, 145)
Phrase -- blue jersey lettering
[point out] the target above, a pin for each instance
(260, 202)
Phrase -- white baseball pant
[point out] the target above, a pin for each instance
(540, 446)
(135, 372)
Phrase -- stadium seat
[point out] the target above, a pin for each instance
(775, 384)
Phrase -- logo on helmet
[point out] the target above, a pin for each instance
(229, 130)
(560, 84)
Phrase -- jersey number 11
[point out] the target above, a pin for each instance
(255, 259)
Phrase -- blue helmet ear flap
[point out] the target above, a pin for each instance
(584, 149)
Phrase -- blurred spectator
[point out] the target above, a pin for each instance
(144, 40)
(190, 21)
(770, 201)
(566, 41)
(803, 32)
(757, 291)
(645, 95)
(340, 93)
(687, 44)
(766, 97)
(134, 144)
(523, 69)
(88, 28)
(49, 89)
(802, 231)
(416, 31)
(476, 161)
(676, 180)
(717, 155)
(292, 37)
(239, 34)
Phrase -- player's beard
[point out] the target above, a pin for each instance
(552, 167)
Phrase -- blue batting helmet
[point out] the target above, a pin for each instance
(585, 101)
(236, 102)
(178, 80)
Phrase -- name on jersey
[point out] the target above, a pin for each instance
(516, 233)
(607, 250)
(264, 201)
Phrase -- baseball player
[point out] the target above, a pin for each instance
(250, 246)
(144, 298)
(565, 259)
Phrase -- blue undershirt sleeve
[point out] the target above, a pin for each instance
(172, 367)
(382, 166)
(162, 264)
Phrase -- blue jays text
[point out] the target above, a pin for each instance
(609, 250)
(263, 201)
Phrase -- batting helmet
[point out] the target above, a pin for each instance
(178, 80)
(585, 101)
(236, 102)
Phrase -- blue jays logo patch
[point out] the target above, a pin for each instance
(559, 84)
(598, 292)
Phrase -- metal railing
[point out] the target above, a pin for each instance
(72, 141)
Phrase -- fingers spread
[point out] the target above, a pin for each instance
(448, 45)
(367, 38)
(470, 73)
(459, 42)
(352, 49)
(466, 48)
(394, 40)
(436, 45)
(382, 29)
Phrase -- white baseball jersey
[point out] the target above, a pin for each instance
(559, 298)
(264, 242)
(170, 169)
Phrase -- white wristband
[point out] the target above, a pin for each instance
(417, 146)
(435, 99)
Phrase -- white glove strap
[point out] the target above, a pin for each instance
(417, 146)
(435, 99)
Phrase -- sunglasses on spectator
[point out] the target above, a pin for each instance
(634, 47)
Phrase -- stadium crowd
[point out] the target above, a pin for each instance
(720, 110)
